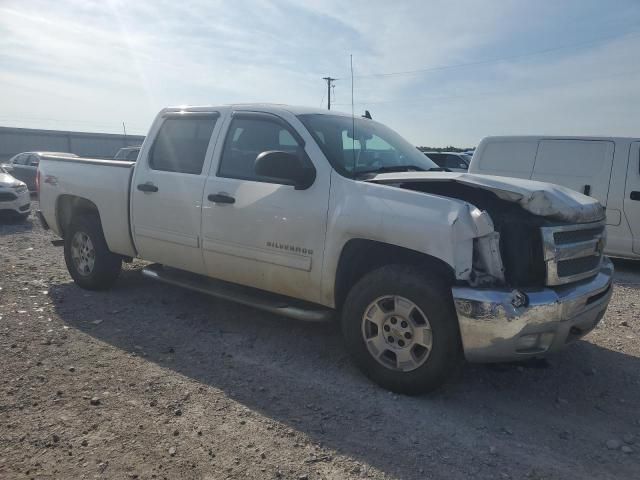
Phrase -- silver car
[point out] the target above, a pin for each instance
(23, 166)
(14, 196)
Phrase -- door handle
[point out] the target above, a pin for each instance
(147, 187)
(635, 195)
(221, 198)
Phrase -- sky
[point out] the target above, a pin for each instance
(438, 72)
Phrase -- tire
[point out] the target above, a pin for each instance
(376, 300)
(94, 267)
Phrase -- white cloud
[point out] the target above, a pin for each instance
(77, 64)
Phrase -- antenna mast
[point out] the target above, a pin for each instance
(353, 119)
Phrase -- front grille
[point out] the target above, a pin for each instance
(573, 252)
(7, 197)
(572, 236)
(576, 266)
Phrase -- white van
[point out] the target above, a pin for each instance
(606, 168)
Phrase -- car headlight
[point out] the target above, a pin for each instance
(21, 188)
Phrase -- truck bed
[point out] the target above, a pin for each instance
(105, 183)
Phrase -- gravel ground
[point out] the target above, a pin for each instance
(149, 381)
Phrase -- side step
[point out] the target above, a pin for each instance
(270, 302)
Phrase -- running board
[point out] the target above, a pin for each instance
(252, 297)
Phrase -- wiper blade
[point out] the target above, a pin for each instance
(392, 168)
(438, 169)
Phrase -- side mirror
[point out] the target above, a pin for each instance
(284, 167)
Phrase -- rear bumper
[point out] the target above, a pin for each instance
(495, 330)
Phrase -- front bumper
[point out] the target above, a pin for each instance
(494, 330)
(20, 205)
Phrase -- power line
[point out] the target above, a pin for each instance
(500, 59)
(495, 92)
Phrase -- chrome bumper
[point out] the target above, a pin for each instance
(495, 325)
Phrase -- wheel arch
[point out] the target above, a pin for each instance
(70, 206)
(361, 256)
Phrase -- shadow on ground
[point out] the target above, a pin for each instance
(555, 415)
(627, 272)
(10, 224)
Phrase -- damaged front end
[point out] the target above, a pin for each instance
(488, 268)
(538, 278)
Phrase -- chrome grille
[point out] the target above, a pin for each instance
(573, 252)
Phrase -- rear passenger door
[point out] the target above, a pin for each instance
(167, 190)
(582, 165)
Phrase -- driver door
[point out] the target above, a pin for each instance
(258, 232)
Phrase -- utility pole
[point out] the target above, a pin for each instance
(329, 81)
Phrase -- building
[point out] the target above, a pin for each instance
(94, 145)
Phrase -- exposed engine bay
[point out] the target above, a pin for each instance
(517, 213)
(518, 231)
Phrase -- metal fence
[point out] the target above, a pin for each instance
(94, 145)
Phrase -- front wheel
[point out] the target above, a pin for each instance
(401, 329)
(89, 261)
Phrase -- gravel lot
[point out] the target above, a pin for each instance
(146, 381)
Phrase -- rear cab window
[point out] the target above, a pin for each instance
(181, 143)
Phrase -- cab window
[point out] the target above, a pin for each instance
(181, 144)
(247, 138)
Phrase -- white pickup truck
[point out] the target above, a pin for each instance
(306, 213)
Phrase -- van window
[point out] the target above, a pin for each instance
(509, 157)
(572, 157)
(181, 144)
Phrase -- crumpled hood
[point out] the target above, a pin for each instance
(539, 198)
(9, 181)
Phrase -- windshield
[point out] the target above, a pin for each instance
(372, 148)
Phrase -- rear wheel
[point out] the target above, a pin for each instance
(401, 329)
(89, 261)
